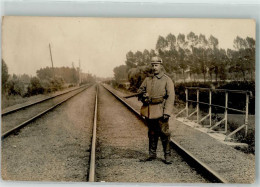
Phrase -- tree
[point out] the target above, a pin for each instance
(237, 62)
(57, 83)
(152, 53)
(139, 58)
(211, 57)
(213, 42)
(202, 41)
(200, 58)
(25, 78)
(44, 73)
(250, 55)
(171, 40)
(146, 57)
(75, 75)
(69, 75)
(161, 44)
(239, 43)
(15, 86)
(35, 87)
(120, 73)
(223, 62)
(137, 75)
(189, 61)
(130, 60)
(170, 61)
(192, 39)
(232, 64)
(182, 61)
(242, 59)
(87, 78)
(5, 75)
(181, 43)
(250, 42)
(193, 63)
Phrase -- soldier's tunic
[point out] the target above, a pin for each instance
(160, 89)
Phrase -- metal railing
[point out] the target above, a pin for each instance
(226, 108)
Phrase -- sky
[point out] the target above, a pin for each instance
(100, 44)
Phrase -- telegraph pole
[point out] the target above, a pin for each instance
(51, 61)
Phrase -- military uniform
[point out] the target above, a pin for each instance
(159, 102)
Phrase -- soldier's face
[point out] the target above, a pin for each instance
(157, 68)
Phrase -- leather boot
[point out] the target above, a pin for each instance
(167, 151)
(150, 158)
(153, 141)
(168, 159)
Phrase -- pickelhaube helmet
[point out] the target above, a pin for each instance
(156, 60)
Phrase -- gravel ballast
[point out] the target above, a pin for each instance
(233, 165)
(55, 147)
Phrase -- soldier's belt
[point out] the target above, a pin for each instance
(156, 100)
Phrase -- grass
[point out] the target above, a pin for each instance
(235, 121)
(11, 100)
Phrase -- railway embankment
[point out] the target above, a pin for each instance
(234, 165)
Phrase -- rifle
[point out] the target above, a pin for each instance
(135, 95)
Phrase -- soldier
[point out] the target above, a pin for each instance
(158, 100)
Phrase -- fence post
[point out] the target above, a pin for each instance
(198, 92)
(226, 110)
(187, 104)
(246, 118)
(210, 110)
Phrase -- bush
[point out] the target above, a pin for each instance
(137, 75)
(35, 87)
(57, 83)
(15, 87)
(240, 99)
(236, 100)
(51, 85)
(180, 91)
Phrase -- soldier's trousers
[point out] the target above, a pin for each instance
(158, 128)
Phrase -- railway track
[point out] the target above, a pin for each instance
(54, 147)
(208, 174)
(119, 141)
(14, 120)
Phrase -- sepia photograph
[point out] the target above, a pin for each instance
(128, 100)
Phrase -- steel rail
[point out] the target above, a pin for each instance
(125, 103)
(200, 167)
(219, 106)
(221, 90)
(11, 131)
(91, 177)
(37, 102)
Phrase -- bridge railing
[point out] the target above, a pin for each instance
(210, 105)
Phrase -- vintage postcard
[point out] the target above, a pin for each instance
(132, 100)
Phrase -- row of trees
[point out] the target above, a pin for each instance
(201, 56)
(194, 57)
(47, 80)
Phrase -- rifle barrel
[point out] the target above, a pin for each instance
(133, 95)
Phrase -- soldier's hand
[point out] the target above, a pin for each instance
(145, 95)
(166, 116)
(145, 98)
